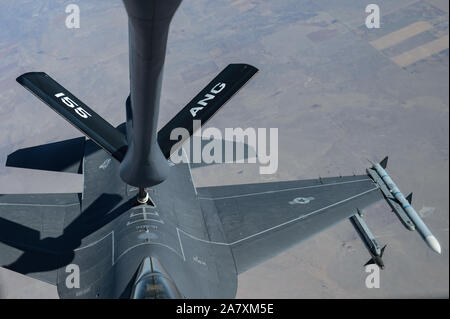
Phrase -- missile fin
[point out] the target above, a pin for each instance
(409, 198)
(382, 251)
(383, 163)
(370, 262)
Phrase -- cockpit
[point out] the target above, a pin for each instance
(153, 282)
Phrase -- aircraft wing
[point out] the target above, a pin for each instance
(32, 233)
(259, 221)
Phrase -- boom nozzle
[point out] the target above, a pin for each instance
(142, 197)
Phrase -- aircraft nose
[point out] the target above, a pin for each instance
(153, 282)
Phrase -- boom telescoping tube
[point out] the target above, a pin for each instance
(423, 230)
(144, 164)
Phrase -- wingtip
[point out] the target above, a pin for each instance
(246, 66)
(20, 79)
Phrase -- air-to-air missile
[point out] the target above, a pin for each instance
(401, 205)
(368, 239)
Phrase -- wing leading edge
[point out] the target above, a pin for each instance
(260, 221)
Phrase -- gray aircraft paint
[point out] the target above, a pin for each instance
(203, 240)
(203, 237)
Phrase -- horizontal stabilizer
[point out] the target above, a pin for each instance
(206, 103)
(64, 156)
(76, 112)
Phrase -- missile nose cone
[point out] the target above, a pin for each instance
(433, 243)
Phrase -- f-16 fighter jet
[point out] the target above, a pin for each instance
(140, 228)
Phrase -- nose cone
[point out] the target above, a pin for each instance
(379, 262)
(433, 243)
(153, 282)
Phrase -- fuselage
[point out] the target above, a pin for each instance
(171, 228)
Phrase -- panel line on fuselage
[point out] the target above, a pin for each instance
(178, 230)
(282, 224)
(285, 190)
